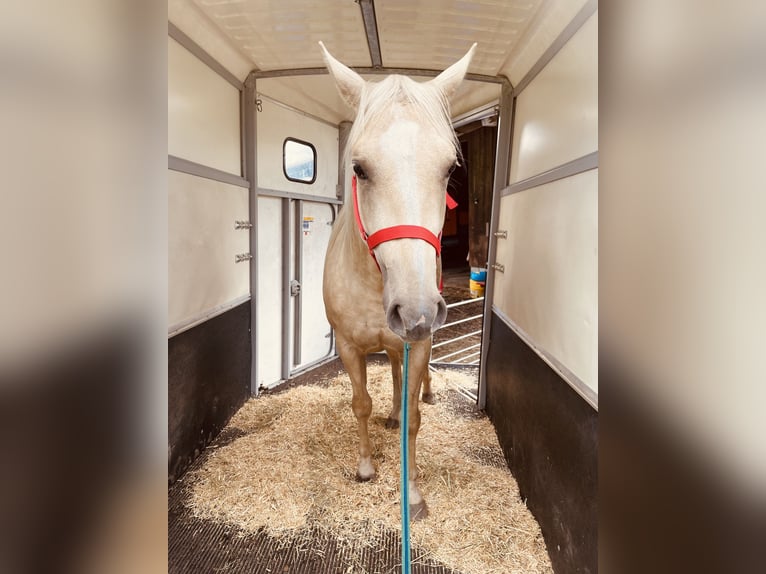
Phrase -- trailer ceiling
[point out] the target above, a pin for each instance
(281, 36)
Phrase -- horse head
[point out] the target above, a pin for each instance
(403, 149)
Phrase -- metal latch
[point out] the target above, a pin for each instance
(502, 234)
(242, 225)
(295, 288)
(498, 267)
(239, 258)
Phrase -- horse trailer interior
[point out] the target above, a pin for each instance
(257, 178)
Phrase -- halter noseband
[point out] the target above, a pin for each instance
(397, 231)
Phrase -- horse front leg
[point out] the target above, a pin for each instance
(418, 368)
(392, 422)
(428, 396)
(355, 363)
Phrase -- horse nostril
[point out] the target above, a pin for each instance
(441, 315)
(416, 324)
(395, 320)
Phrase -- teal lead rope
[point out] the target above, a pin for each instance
(403, 454)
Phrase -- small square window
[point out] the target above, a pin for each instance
(299, 161)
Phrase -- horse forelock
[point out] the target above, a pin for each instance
(428, 104)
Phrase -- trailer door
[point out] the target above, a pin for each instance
(297, 199)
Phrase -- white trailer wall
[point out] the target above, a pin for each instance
(203, 128)
(202, 242)
(548, 290)
(209, 339)
(203, 113)
(540, 378)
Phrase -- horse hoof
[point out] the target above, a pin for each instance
(418, 511)
(429, 398)
(392, 423)
(362, 478)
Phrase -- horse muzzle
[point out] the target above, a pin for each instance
(416, 321)
(411, 300)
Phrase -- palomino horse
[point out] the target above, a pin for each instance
(381, 289)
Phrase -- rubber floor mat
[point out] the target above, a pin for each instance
(207, 547)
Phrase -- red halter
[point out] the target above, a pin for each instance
(397, 231)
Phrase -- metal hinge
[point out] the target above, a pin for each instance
(498, 267)
(502, 234)
(242, 225)
(239, 258)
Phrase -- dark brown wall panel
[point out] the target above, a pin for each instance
(208, 380)
(549, 435)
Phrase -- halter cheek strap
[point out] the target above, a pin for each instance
(396, 231)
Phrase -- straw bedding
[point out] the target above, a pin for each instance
(291, 469)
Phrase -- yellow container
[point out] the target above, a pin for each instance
(476, 282)
(476, 287)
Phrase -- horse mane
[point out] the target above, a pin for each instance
(429, 103)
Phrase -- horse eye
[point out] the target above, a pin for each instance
(451, 168)
(359, 171)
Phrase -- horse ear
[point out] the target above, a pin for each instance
(449, 80)
(349, 83)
